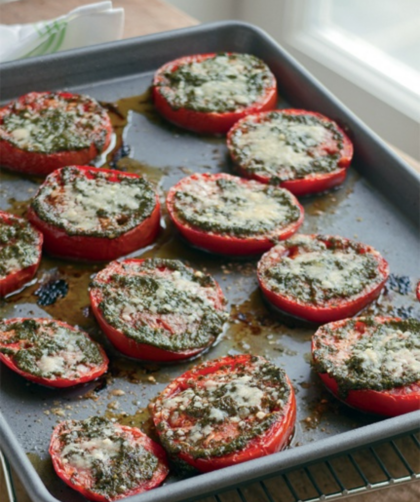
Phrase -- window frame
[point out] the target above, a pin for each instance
(306, 32)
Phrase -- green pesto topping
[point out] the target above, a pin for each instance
(233, 207)
(286, 147)
(116, 462)
(18, 245)
(221, 412)
(48, 349)
(322, 270)
(370, 354)
(223, 83)
(49, 123)
(162, 303)
(94, 205)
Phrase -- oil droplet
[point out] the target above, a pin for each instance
(138, 371)
(140, 419)
(43, 467)
(18, 207)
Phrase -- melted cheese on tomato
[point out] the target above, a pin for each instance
(225, 401)
(162, 303)
(10, 265)
(95, 206)
(270, 145)
(53, 351)
(230, 84)
(48, 123)
(389, 354)
(18, 246)
(218, 84)
(81, 202)
(84, 454)
(104, 457)
(370, 354)
(233, 91)
(330, 270)
(317, 274)
(51, 364)
(164, 299)
(235, 205)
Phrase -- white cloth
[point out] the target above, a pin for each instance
(87, 25)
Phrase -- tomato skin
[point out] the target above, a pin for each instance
(310, 184)
(42, 164)
(224, 244)
(273, 440)
(418, 291)
(16, 280)
(307, 186)
(57, 242)
(391, 403)
(66, 473)
(55, 382)
(131, 347)
(205, 122)
(321, 314)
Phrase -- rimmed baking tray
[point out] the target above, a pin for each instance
(379, 204)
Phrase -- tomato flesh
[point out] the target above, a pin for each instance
(298, 184)
(51, 364)
(16, 155)
(311, 308)
(212, 437)
(206, 122)
(74, 244)
(17, 275)
(388, 402)
(81, 477)
(225, 241)
(159, 320)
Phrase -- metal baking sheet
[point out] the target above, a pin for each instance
(378, 205)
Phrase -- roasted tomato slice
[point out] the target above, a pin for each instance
(106, 461)
(302, 151)
(20, 252)
(50, 352)
(418, 291)
(208, 93)
(42, 131)
(157, 310)
(229, 215)
(371, 363)
(95, 214)
(224, 412)
(321, 278)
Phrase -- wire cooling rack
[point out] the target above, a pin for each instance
(364, 470)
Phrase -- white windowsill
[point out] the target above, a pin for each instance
(342, 56)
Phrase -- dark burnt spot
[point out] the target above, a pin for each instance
(102, 383)
(399, 283)
(123, 151)
(122, 220)
(405, 312)
(51, 291)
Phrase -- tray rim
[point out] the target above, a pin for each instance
(206, 484)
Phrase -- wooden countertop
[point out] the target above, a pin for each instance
(143, 17)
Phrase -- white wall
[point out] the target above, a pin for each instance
(395, 127)
(208, 10)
